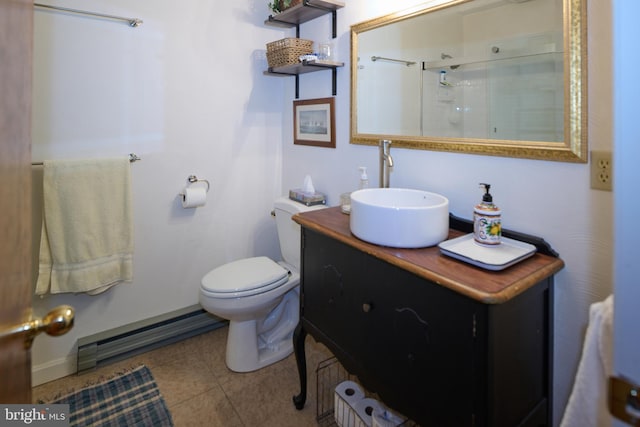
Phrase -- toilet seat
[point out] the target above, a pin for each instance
(244, 277)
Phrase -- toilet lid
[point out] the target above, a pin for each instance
(245, 275)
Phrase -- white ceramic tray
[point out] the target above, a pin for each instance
(497, 257)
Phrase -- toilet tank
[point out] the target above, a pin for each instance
(288, 230)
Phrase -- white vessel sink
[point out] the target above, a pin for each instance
(399, 217)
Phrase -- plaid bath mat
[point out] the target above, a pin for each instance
(132, 399)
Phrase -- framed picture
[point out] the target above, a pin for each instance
(314, 122)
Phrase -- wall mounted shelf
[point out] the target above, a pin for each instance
(306, 67)
(306, 11)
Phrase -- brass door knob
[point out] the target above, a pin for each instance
(57, 322)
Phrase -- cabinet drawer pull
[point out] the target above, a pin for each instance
(366, 307)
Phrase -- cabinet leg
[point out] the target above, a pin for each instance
(299, 336)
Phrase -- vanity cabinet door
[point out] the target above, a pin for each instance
(409, 340)
(330, 271)
(419, 344)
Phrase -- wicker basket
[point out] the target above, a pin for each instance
(287, 51)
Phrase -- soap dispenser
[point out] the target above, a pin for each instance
(364, 179)
(345, 198)
(487, 226)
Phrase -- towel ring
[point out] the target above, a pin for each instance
(193, 179)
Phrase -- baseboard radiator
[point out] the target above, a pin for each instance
(129, 340)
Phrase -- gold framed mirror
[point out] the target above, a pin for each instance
(491, 77)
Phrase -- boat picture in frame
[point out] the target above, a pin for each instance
(314, 122)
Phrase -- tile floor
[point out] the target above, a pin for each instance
(201, 391)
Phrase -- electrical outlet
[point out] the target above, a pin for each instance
(601, 170)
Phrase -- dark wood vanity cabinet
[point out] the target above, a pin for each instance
(440, 357)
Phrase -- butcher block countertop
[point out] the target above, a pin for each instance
(489, 287)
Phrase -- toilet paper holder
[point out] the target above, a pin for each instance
(194, 197)
(192, 179)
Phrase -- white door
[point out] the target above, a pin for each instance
(626, 179)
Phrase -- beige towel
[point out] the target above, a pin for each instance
(87, 227)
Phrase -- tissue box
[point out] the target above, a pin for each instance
(308, 199)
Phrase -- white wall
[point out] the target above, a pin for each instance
(185, 91)
(549, 199)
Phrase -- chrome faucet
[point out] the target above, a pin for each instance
(386, 162)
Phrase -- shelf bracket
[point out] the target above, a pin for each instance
(334, 19)
(334, 86)
(334, 25)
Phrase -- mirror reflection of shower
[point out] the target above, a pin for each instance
(504, 89)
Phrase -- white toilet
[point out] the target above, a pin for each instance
(260, 297)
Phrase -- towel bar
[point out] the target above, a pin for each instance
(133, 22)
(132, 158)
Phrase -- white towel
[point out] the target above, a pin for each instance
(87, 228)
(587, 405)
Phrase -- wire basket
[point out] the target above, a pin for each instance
(287, 51)
(329, 374)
